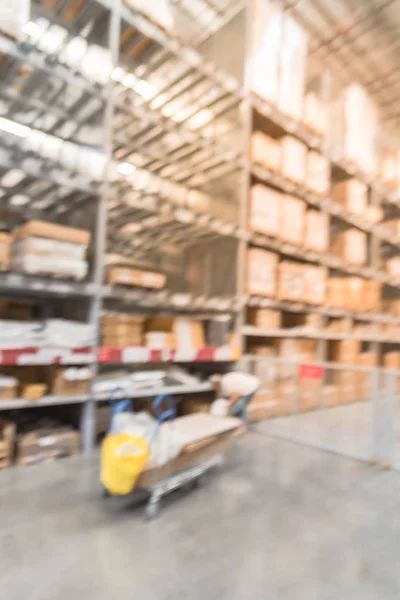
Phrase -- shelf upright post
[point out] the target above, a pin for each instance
(247, 116)
(88, 417)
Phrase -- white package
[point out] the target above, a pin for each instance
(220, 408)
(49, 247)
(35, 263)
(20, 334)
(68, 334)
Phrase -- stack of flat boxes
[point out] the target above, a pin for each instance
(121, 330)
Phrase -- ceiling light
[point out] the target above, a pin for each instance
(144, 89)
(200, 118)
(126, 169)
(129, 80)
(118, 74)
(19, 200)
(14, 128)
(32, 29)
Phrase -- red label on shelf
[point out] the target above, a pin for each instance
(311, 372)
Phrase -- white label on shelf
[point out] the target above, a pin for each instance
(135, 355)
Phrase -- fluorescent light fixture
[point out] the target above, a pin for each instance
(126, 169)
(145, 89)
(32, 29)
(14, 128)
(12, 178)
(19, 200)
(200, 118)
(129, 80)
(118, 74)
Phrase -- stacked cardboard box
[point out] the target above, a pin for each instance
(392, 307)
(316, 231)
(125, 275)
(265, 151)
(5, 245)
(292, 220)
(7, 441)
(40, 247)
(352, 194)
(121, 330)
(42, 445)
(72, 381)
(264, 318)
(315, 114)
(301, 283)
(318, 176)
(265, 210)
(393, 266)
(169, 332)
(351, 246)
(261, 272)
(294, 158)
(353, 293)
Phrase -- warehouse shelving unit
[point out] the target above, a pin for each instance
(173, 129)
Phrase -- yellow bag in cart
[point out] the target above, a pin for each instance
(123, 458)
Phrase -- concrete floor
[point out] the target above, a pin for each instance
(279, 521)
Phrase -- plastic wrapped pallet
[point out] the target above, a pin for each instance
(293, 214)
(265, 151)
(316, 231)
(351, 246)
(318, 173)
(292, 69)
(265, 210)
(294, 156)
(266, 49)
(352, 194)
(261, 272)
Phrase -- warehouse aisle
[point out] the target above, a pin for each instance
(281, 522)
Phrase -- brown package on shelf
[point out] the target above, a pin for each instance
(5, 245)
(294, 155)
(345, 351)
(372, 296)
(261, 274)
(340, 326)
(309, 394)
(265, 210)
(391, 360)
(393, 225)
(393, 267)
(265, 151)
(18, 309)
(264, 318)
(61, 233)
(8, 387)
(72, 381)
(352, 194)
(335, 295)
(315, 114)
(293, 212)
(318, 173)
(291, 281)
(180, 332)
(316, 231)
(33, 391)
(314, 284)
(134, 277)
(122, 330)
(329, 396)
(389, 170)
(47, 444)
(351, 246)
(267, 404)
(7, 441)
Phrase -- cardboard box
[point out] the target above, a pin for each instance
(318, 175)
(344, 351)
(265, 210)
(315, 114)
(72, 381)
(316, 231)
(7, 441)
(372, 296)
(291, 281)
(180, 333)
(391, 360)
(189, 334)
(159, 340)
(134, 277)
(329, 396)
(265, 151)
(261, 272)
(352, 194)
(294, 156)
(314, 284)
(389, 170)
(393, 225)
(292, 220)
(268, 404)
(8, 388)
(34, 391)
(47, 444)
(393, 266)
(265, 318)
(5, 245)
(309, 394)
(62, 233)
(351, 246)
(339, 326)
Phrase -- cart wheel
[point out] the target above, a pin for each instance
(152, 509)
(105, 493)
(198, 482)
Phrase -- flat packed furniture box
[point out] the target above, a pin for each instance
(42, 445)
(265, 210)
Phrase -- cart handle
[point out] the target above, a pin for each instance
(168, 413)
(119, 405)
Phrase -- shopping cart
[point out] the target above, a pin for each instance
(163, 480)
